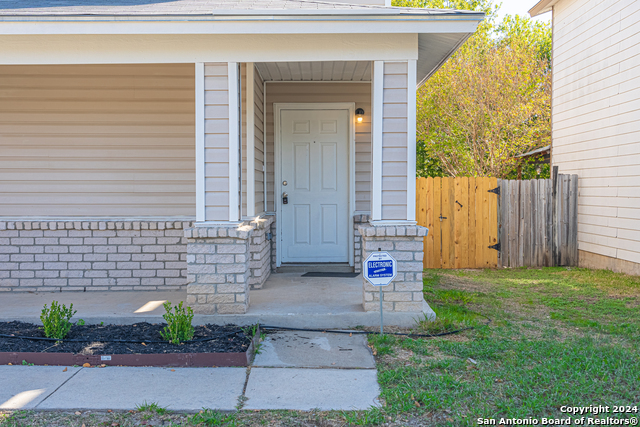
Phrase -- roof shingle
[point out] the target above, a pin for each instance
(190, 7)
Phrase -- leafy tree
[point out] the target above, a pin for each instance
(490, 101)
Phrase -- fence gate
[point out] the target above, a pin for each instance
(462, 217)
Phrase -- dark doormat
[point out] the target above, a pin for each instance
(329, 274)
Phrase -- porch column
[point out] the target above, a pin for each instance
(392, 227)
(218, 244)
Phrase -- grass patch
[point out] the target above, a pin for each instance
(558, 337)
(210, 417)
(152, 407)
(450, 305)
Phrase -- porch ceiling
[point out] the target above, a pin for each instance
(321, 71)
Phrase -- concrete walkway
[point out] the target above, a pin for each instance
(287, 299)
(295, 370)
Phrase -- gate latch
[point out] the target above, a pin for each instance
(442, 217)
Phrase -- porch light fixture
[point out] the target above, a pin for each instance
(359, 115)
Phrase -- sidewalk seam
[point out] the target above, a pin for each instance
(58, 388)
(242, 399)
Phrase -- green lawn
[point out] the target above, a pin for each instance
(557, 337)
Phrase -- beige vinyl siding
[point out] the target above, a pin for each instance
(243, 136)
(360, 93)
(216, 111)
(394, 141)
(259, 141)
(97, 141)
(596, 119)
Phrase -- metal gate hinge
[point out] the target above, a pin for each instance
(497, 247)
(495, 191)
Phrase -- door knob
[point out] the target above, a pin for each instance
(285, 198)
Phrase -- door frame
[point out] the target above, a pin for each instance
(277, 159)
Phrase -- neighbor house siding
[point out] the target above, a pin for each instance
(596, 120)
(216, 98)
(97, 141)
(360, 93)
(394, 141)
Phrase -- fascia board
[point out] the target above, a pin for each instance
(250, 14)
(364, 26)
(541, 7)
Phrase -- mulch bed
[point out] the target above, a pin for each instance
(94, 339)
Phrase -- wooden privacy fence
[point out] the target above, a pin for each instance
(485, 222)
(538, 222)
(462, 217)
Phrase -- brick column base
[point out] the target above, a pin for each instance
(358, 220)
(405, 244)
(218, 268)
(260, 251)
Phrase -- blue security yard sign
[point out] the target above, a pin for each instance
(380, 268)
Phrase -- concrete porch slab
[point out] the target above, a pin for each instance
(24, 387)
(122, 388)
(314, 350)
(286, 299)
(307, 389)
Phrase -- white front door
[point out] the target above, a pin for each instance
(315, 160)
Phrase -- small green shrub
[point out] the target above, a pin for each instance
(56, 320)
(179, 328)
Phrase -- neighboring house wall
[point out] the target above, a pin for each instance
(216, 98)
(394, 142)
(97, 141)
(360, 93)
(596, 124)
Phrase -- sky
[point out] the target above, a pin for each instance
(520, 7)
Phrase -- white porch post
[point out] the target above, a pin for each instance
(234, 142)
(200, 131)
(377, 82)
(251, 183)
(411, 139)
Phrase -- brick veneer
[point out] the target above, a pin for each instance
(357, 241)
(405, 244)
(223, 261)
(218, 268)
(260, 251)
(92, 255)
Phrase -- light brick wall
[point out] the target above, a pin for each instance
(260, 252)
(274, 258)
(92, 255)
(358, 220)
(405, 244)
(223, 261)
(218, 269)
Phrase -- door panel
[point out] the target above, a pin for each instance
(315, 156)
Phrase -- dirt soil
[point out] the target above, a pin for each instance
(95, 339)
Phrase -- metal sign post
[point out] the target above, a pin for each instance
(380, 269)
